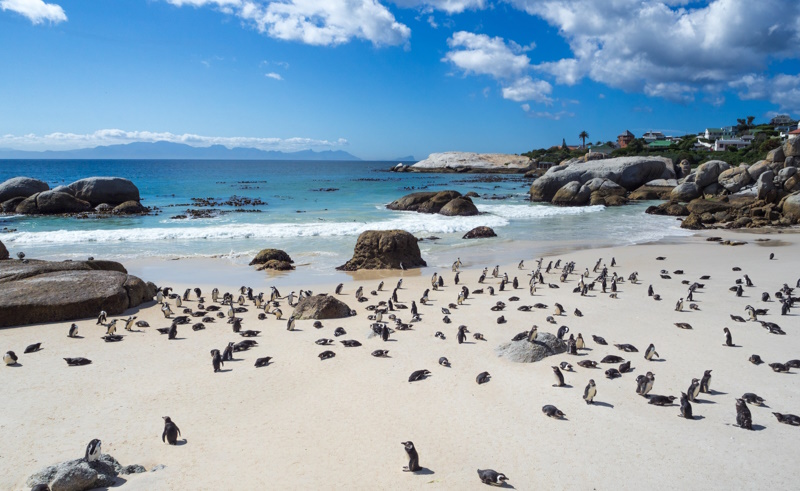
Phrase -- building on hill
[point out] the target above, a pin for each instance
(660, 144)
(782, 120)
(722, 145)
(625, 139)
(794, 133)
(652, 136)
(712, 134)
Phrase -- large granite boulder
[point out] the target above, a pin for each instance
(685, 192)
(52, 203)
(127, 208)
(628, 172)
(450, 203)
(700, 206)
(10, 205)
(80, 475)
(321, 307)
(792, 183)
(474, 162)
(709, 172)
(792, 148)
(111, 190)
(266, 255)
(759, 168)
(526, 352)
(3, 251)
(765, 187)
(683, 169)
(692, 222)
(776, 155)
(734, 179)
(385, 249)
(45, 291)
(791, 206)
(480, 233)
(21, 187)
(648, 192)
(572, 194)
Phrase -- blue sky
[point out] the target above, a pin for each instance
(384, 79)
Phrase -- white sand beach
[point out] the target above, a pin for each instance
(302, 423)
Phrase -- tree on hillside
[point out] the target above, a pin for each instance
(750, 120)
(583, 136)
(564, 144)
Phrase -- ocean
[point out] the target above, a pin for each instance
(314, 210)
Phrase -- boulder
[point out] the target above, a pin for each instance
(459, 207)
(111, 190)
(685, 192)
(321, 307)
(713, 189)
(52, 203)
(105, 207)
(792, 184)
(474, 162)
(758, 168)
(791, 206)
(80, 475)
(276, 265)
(648, 192)
(671, 183)
(480, 233)
(708, 173)
(792, 148)
(524, 351)
(628, 172)
(734, 179)
(776, 155)
(385, 249)
(127, 208)
(21, 187)
(612, 200)
(791, 162)
(765, 187)
(435, 202)
(472, 194)
(266, 255)
(3, 251)
(692, 222)
(684, 169)
(572, 194)
(700, 206)
(45, 291)
(594, 156)
(10, 206)
(605, 187)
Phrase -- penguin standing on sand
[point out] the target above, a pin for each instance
(73, 331)
(216, 360)
(686, 406)
(129, 323)
(462, 334)
(589, 392)
(413, 457)
(102, 318)
(679, 306)
(171, 431)
(385, 332)
(559, 377)
(728, 338)
(705, 382)
(10, 358)
(650, 352)
(694, 389)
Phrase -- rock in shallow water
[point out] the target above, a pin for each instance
(480, 233)
(385, 249)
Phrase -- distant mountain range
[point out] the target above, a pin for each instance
(179, 151)
(407, 158)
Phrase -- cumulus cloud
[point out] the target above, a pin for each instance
(69, 141)
(782, 90)
(37, 11)
(314, 22)
(668, 48)
(273, 75)
(449, 6)
(506, 62)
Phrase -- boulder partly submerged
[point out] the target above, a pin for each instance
(80, 475)
(480, 233)
(321, 307)
(385, 249)
(450, 203)
(275, 259)
(524, 351)
(49, 291)
(627, 172)
(111, 190)
(474, 162)
(21, 187)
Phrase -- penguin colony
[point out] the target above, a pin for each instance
(389, 318)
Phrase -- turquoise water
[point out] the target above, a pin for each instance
(317, 228)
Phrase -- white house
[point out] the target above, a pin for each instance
(722, 145)
(712, 134)
(652, 136)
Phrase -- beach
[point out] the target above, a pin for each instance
(303, 423)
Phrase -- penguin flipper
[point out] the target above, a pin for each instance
(164, 435)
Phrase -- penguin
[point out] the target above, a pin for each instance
(171, 431)
(173, 331)
(385, 332)
(728, 338)
(599, 340)
(262, 362)
(380, 353)
(661, 400)
(553, 412)
(215, 295)
(565, 366)
(483, 377)
(326, 354)
(694, 389)
(705, 382)
(102, 318)
(589, 392)
(650, 352)
(290, 323)
(491, 476)
(76, 362)
(73, 331)
(559, 309)
(462, 334)
(563, 330)
(216, 360)
(751, 398)
(679, 306)
(755, 360)
(129, 323)
(625, 367)
(179, 302)
(160, 297)
(579, 343)
(559, 377)
(227, 353)
(93, 450)
(743, 417)
(10, 358)
(650, 291)
(166, 310)
(418, 375)
(338, 289)
(686, 407)
(645, 384)
(33, 348)
(789, 419)
(413, 458)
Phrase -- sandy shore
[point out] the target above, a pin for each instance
(302, 423)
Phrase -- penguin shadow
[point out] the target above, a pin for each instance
(15, 365)
(565, 386)
(754, 428)
(223, 370)
(77, 337)
(658, 360)
(713, 392)
(177, 339)
(732, 346)
(603, 404)
(703, 401)
(181, 442)
(695, 417)
(423, 471)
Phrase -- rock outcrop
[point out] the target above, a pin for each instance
(648, 192)
(480, 233)
(52, 203)
(450, 203)
(734, 179)
(627, 172)
(526, 352)
(792, 148)
(21, 187)
(385, 249)
(321, 307)
(709, 172)
(473, 162)
(791, 207)
(110, 190)
(80, 475)
(126, 208)
(685, 192)
(45, 291)
(275, 259)
(3, 251)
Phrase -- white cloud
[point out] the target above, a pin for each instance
(69, 141)
(526, 107)
(273, 75)
(315, 22)
(668, 48)
(550, 115)
(37, 11)
(527, 89)
(449, 6)
(782, 90)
